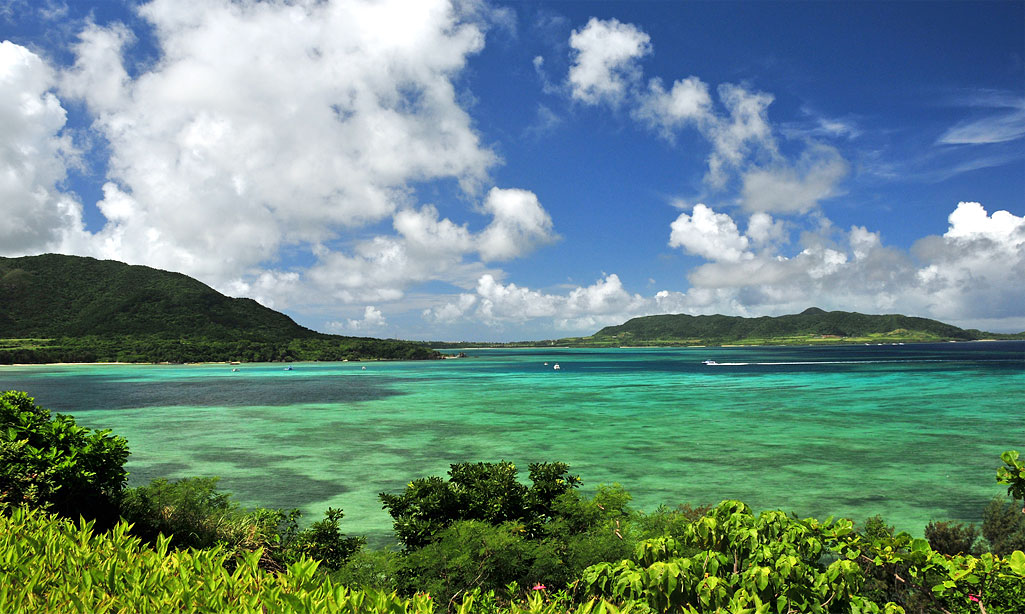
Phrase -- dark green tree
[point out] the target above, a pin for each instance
(1003, 526)
(50, 462)
(323, 540)
(488, 492)
(952, 538)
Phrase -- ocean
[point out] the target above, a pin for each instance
(912, 432)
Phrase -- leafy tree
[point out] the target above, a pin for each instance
(324, 541)
(468, 555)
(1003, 526)
(1013, 475)
(51, 462)
(488, 492)
(876, 528)
(951, 538)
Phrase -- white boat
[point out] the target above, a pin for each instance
(288, 368)
(557, 367)
(709, 362)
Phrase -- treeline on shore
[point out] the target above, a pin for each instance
(479, 540)
(155, 349)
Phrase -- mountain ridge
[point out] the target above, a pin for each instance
(58, 308)
(809, 324)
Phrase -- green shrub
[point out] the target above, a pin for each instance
(487, 492)
(950, 538)
(1003, 526)
(193, 514)
(468, 555)
(367, 568)
(323, 541)
(52, 463)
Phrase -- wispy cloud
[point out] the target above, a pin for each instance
(994, 129)
(1007, 124)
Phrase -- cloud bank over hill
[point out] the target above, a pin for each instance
(263, 130)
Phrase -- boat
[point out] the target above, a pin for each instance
(557, 367)
(234, 370)
(288, 368)
(710, 363)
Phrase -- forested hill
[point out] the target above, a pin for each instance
(53, 296)
(56, 308)
(811, 324)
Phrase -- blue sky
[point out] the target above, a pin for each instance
(528, 170)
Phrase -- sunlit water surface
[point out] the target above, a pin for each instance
(911, 432)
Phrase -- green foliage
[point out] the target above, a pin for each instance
(467, 555)
(667, 522)
(772, 563)
(1003, 526)
(50, 565)
(368, 568)
(740, 562)
(50, 462)
(488, 492)
(1012, 474)
(191, 513)
(324, 541)
(951, 538)
(876, 528)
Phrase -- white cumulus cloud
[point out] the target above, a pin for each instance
(708, 234)
(520, 224)
(372, 319)
(266, 125)
(34, 157)
(605, 60)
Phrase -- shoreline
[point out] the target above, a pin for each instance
(499, 347)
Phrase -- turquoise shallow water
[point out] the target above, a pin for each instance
(911, 432)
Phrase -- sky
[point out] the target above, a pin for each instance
(495, 171)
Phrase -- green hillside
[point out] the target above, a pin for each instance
(810, 325)
(56, 308)
(53, 295)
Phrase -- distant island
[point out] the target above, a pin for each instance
(56, 308)
(812, 326)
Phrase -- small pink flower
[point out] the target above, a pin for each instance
(539, 587)
(974, 598)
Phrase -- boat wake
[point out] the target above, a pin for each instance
(712, 363)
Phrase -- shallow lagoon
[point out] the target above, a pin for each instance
(911, 432)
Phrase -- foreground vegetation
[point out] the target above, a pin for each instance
(480, 540)
(56, 308)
